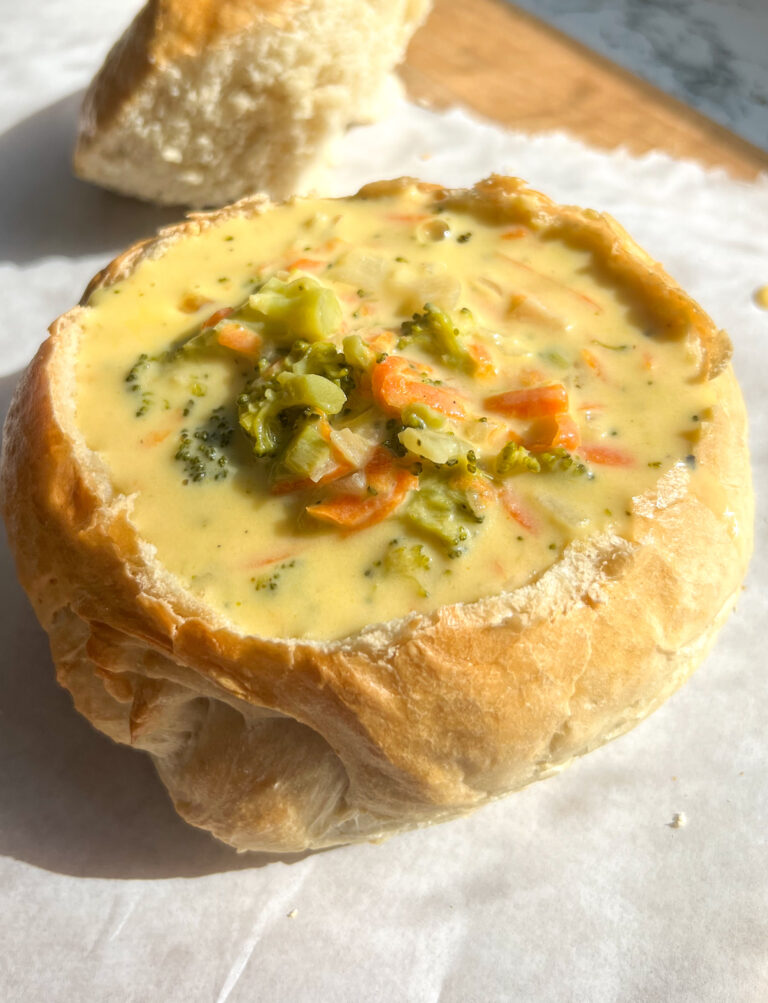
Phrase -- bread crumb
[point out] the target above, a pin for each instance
(760, 297)
(678, 820)
(292, 914)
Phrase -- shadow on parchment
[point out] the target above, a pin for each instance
(71, 800)
(47, 210)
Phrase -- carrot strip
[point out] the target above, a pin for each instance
(396, 382)
(516, 510)
(305, 264)
(576, 293)
(515, 233)
(214, 319)
(330, 245)
(531, 377)
(240, 339)
(567, 435)
(406, 217)
(262, 562)
(391, 484)
(482, 360)
(593, 362)
(531, 402)
(155, 438)
(610, 456)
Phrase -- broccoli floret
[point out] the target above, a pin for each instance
(446, 511)
(285, 311)
(271, 411)
(441, 335)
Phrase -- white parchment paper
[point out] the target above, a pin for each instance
(576, 889)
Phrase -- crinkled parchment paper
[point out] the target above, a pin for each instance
(579, 888)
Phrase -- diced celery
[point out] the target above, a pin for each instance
(307, 453)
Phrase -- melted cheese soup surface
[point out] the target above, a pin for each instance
(342, 411)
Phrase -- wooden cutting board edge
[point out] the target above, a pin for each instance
(508, 66)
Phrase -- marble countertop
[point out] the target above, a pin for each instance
(711, 54)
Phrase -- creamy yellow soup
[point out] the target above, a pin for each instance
(524, 407)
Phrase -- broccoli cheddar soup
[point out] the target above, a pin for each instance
(337, 412)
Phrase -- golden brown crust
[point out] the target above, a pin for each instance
(165, 31)
(282, 745)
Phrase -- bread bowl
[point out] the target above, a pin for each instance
(201, 102)
(459, 579)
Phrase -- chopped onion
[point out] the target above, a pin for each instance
(353, 447)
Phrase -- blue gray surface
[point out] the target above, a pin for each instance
(711, 54)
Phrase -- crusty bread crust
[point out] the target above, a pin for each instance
(203, 101)
(283, 745)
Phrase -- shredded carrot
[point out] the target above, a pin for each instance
(649, 361)
(155, 438)
(593, 362)
(396, 382)
(576, 293)
(531, 402)
(515, 233)
(482, 360)
(407, 217)
(517, 510)
(610, 456)
(329, 245)
(262, 562)
(532, 377)
(305, 265)
(592, 406)
(214, 319)
(391, 485)
(240, 339)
